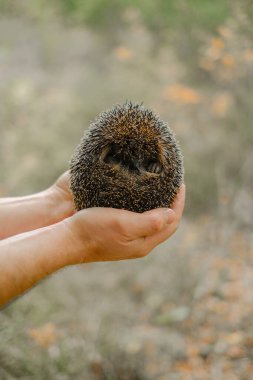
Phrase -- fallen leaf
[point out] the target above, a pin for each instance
(181, 94)
(45, 335)
(235, 352)
(97, 367)
(228, 61)
(234, 338)
(214, 50)
(217, 43)
(184, 366)
(123, 53)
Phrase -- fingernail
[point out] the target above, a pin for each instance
(168, 215)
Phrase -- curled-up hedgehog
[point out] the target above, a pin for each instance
(128, 159)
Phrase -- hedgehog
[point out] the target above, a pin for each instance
(127, 159)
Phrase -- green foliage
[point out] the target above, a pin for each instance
(160, 15)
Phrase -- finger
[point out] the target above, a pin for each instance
(150, 242)
(179, 201)
(132, 225)
(150, 222)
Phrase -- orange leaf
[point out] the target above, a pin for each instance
(217, 43)
(228, 61)
(184, 366)
(45, 335)
(181, 94)
(123, 53)
(214, 51)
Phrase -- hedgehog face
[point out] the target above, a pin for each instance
(127, 159)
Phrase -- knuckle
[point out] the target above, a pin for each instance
(118, 227)
(142, 252)
(123, 232)
(155, 223)
(139, 254)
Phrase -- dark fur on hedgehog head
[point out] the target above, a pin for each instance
(128, 158)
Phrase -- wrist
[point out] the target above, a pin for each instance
(62, 246)
(59, 203)
(77, 241)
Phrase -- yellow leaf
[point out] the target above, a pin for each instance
(184, 366)
(217, 43)
(228, 61)
(181, 94)
(233, 338)
(123, 53)
(215, 49)
(45, 335)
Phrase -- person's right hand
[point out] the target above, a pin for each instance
(107, 234)
(95, 234)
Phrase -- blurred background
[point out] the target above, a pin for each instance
(185, 312)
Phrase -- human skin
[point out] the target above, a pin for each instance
(42, 233)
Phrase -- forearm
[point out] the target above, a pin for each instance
(31, 212)
(27, 258)
(94, 234)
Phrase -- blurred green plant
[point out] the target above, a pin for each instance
(160, 15)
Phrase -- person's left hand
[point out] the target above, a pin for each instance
(61, 197)
(61, 186)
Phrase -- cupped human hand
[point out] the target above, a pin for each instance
(62, 189)
(61, 198)
(107, 234)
